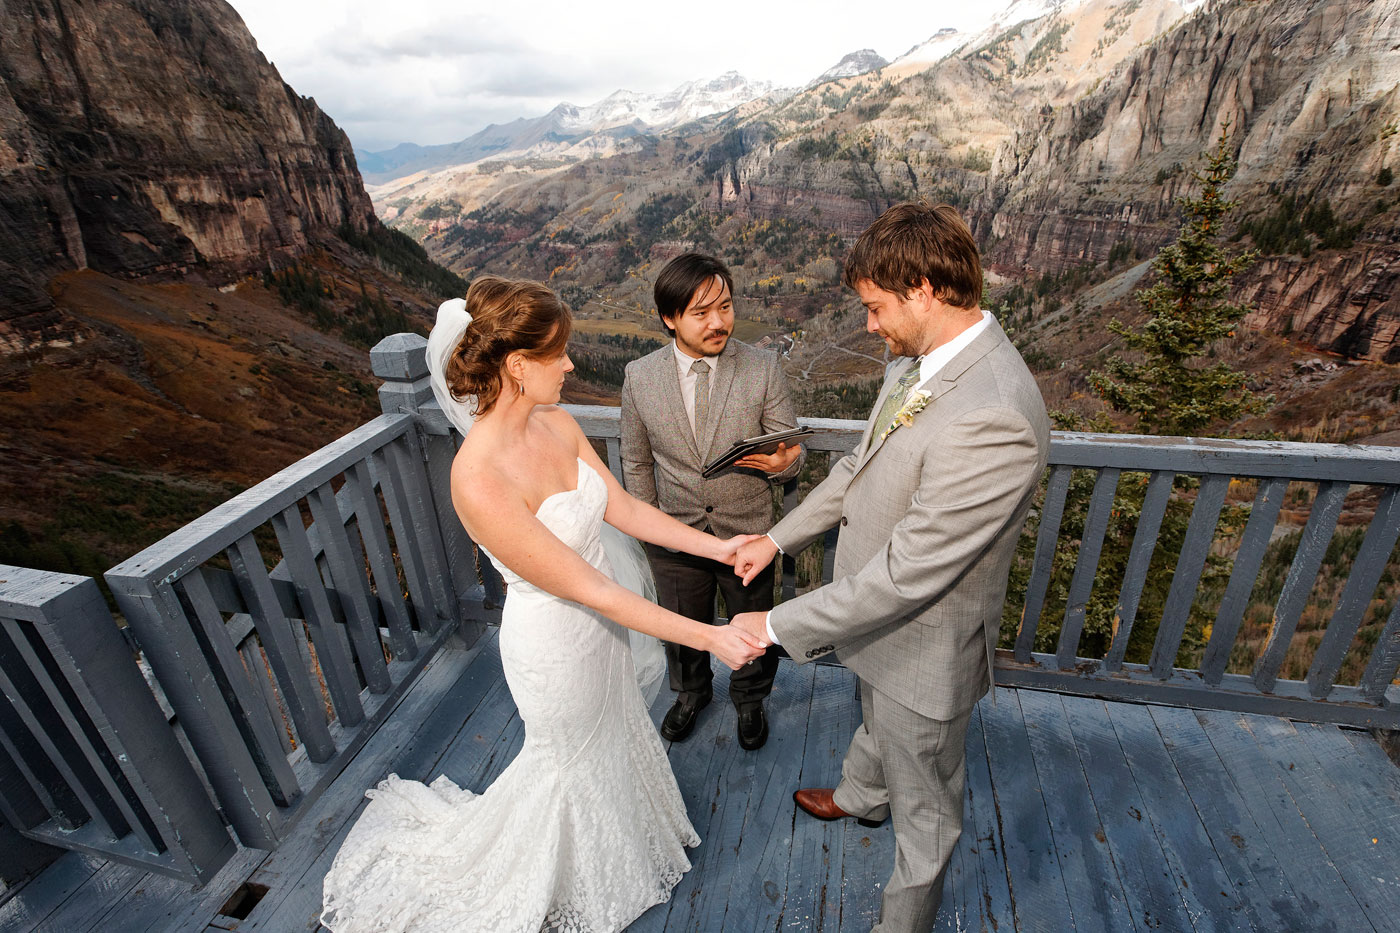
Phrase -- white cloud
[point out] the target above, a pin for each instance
(418, 71)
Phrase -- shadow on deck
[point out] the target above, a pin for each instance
(1080, 815)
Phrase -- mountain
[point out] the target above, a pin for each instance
(850, 65)
(191, 275)
(1064, 139)
(568, 128)
(140, 139)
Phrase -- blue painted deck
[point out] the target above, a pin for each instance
(1081, 815)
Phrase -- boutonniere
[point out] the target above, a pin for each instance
(916, 402)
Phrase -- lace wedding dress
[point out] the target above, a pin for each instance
(583, 831)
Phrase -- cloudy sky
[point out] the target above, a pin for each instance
(391, 71)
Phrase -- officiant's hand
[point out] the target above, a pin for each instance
(753, 557)
(735, 646)
(776, 462)
(729, 546)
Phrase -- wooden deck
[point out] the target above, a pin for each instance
(1081, 815)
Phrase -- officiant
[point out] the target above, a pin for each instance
(682, 406)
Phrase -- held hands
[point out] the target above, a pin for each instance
(728, 547)
(735, 646)
(753, 556)
(753, 624)
(776, 462)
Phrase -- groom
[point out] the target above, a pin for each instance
(682, 406)
(930, 506)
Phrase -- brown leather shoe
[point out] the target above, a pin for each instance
(818, 802)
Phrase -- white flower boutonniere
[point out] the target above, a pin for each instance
(916, 402)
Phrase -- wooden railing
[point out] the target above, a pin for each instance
(283, 626)
(87, 759)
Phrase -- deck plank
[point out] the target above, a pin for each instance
(700, 755)
(757, 891)
(492, 728)
(1251, 822)
(1034, 876)
(1126, 824)
(1243, 847)
(112, 882)
(1098, 899)
(716, 804)
(1202, 883)
(294, 872)
(814, 873)
(1345, 821)
(982, 833)
(44, 894)
(1326, 902)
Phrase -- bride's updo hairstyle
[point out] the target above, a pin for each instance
(508, 316)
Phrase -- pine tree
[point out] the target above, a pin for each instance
(1189, 310)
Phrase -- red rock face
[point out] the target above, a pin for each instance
(153, 139)
(1348, 303)
(1308, 89)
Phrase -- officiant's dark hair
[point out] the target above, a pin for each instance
(508, 316)
(681, 279)
(912, 242)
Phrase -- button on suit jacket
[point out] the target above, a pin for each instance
(662, 459)
(929, 521)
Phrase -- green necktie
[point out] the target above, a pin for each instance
(896, 399)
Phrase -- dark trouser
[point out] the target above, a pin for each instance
(686, 584)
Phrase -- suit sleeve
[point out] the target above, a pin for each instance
(779, 415)
(638, 467)
(970, 487)
(818, 511)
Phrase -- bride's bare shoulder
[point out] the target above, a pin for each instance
(476, 478)
(560, 423)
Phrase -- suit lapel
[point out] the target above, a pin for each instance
(667, 377)
(871, 440)
(939, 385)
(721, 382)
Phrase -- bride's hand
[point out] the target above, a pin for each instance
(736, 647)
(729, 547)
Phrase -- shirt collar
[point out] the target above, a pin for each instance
(683, 360)
(938, 357)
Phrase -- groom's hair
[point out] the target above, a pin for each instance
(910, 243)
(681, 279)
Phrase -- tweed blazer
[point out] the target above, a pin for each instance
(929, 521)
(662, 459)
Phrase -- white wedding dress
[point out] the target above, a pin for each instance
(581, 833)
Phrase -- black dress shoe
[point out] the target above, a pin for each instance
(680, 718)
(753, 727)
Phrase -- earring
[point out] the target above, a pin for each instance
(519, 387)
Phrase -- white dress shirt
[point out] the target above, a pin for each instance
(688, 379)
(929, 366)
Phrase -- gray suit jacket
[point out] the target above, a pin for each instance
(929, 521)
(662, 460)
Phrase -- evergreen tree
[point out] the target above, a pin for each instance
(1188, 306)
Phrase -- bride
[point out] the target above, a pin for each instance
(586, 828)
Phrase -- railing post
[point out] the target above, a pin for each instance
(96, 742)
(446, 551)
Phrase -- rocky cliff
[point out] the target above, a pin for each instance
(1311, 92)
(143, 138)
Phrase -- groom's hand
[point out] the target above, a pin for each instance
(753, 557)
(753, 624)
(730, 546)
